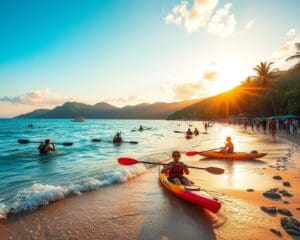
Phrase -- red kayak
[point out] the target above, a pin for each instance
(192, 194)
(188, 136)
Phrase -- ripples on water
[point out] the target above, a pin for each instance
(28, 180)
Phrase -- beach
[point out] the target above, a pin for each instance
(141, 209)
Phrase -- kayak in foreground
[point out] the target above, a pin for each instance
(190, 194)
(232, 156)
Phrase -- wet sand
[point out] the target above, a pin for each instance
(142, 209)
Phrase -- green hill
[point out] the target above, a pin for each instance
(249, 98)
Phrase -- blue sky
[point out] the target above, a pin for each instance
(127, 52)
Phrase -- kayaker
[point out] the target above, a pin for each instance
(46, 147)
(229, 147)
(196, 132)
(176, 170)
(117, 138)
(141, 128)
(189, 132)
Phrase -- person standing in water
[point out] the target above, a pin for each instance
(205, 127)
(264, 124)
(46, 147)
(176, 170)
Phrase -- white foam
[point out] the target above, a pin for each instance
(39, 194)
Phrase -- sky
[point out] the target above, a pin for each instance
(128, 52)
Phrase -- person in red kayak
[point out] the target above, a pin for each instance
(176, 170)
(46, 147)
(117, 138)
(229, 147)
(189, 132)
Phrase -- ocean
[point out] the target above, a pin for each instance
(28, 180)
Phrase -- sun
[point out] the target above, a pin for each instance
(231, 71)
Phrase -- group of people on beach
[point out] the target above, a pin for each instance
(273, 125)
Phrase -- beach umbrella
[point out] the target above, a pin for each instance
(291, 116)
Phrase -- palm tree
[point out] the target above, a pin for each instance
(264, 75)
(295, 56)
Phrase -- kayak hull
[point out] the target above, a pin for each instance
(200, 198)
(232, 156)
(188, 136)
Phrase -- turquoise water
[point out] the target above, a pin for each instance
(28, 180)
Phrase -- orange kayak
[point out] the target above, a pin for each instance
(232, 156)
(199, 197)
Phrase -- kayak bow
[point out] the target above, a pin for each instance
(191, 194)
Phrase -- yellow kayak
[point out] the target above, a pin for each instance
(192, 194)
(232, 156)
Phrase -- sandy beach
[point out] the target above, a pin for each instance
(142, 209)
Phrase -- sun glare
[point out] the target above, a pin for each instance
(231, 71)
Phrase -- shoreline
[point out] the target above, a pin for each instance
(142, 209)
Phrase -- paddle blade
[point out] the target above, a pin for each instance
(67, 144)
(127, 161)
(96, 140)
(133, 142)
(23, 141)
(215, 170)
(192, 153)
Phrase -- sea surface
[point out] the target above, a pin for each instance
(28, 180)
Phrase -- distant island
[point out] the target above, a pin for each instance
(159, 110)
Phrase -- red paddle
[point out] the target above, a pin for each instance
(194, 153)
(131, 161)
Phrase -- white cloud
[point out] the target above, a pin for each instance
(37, 98)
(222, 23)
(200, 16)
(190, 90)
(291, 33)
(120, 102)
(286, 50)
(249, 25)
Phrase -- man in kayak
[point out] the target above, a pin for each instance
(189, 132)
(196, 132)
(176, 169)
(117, 138)
(46, 147)
(141, 128)
(229, 147)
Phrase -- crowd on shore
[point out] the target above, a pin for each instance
(272, 125)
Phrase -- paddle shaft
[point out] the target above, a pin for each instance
(24, 141)
(167, 164)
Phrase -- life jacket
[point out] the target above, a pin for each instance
(176, 170)
(117, 140)
(230, 147)
(42, 149)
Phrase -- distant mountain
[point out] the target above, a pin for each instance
(159, 110)
(35, 114)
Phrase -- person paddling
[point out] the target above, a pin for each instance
(141, 128)
(46, 147)
(117, 138)
(189, 132)
(176, 170)
(196, 132)
(229, 147)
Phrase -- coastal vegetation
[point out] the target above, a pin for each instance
(269, 93)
